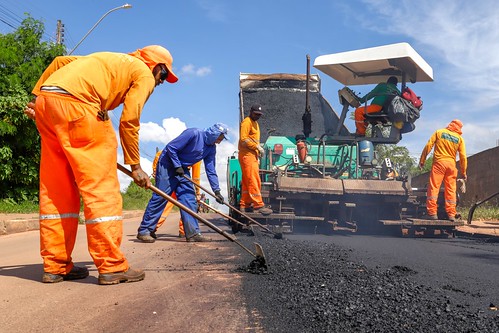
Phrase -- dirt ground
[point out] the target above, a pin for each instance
(189, 287)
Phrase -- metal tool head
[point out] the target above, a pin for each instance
(259, 264)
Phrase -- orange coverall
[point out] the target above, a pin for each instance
(448, 142)
(78, 151)
(249, 139)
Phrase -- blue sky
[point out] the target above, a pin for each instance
(212, 41)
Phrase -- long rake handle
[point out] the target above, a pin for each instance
(222, 214)
(185, 208)
(230, 206)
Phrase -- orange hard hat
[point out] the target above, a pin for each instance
(153, 55)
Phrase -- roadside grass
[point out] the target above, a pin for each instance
(137, 199)
(9, 206)
(485, 212)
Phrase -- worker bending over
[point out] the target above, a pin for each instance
(190, 147)
(78, 154)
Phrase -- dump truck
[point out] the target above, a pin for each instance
(316, 174)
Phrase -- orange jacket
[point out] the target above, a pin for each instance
(447, 144)
(249, 136)
(105, 80)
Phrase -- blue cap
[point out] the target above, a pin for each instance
(224, 129)
(214, 131)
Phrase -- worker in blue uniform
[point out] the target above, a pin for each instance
(190, 147)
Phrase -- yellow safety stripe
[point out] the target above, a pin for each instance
(59, 216)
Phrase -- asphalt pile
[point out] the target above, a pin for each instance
(317, 287)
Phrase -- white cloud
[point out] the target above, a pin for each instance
(153, 132)
(191, 70)
(215, 10)
(462, 34)
(459, 40)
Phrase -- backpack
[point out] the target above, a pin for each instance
(402, 110)
(411, 96)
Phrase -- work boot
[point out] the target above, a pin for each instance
(146, 238)
(130, 275)
(451, 218)
(263, 210)
(247, 209)
(198, 238)
(181, 235)
(76, 273)
(153, 234)
(430, 217)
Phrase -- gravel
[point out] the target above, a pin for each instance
(317, 287)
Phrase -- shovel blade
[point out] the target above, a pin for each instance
(259, 251)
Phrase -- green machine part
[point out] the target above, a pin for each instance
(338, 161)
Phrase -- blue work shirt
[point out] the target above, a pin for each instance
(192, 146)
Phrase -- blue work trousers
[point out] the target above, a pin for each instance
(168, 182)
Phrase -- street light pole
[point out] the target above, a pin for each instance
(125, 6)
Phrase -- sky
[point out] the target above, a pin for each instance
(213, 41)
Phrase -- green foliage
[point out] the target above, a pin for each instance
(400, 157)
(23, 58)
(135, 197)
(9, 206)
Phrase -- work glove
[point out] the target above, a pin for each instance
(219, 197)
(179, 171)
(261, 152)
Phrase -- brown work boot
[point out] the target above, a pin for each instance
(430, 217)
(451, 218)
(264, 210)
(247, 209)
(76, 273)
(131, 275)
(146, 238)
(198, 238)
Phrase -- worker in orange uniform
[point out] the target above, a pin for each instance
(379, 96)
(196, 177)
(448, 142)
(78, 154)
(249, 152)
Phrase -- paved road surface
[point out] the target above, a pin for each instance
(199, 287)
(189, 287)
(468, 266)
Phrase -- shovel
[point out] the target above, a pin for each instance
(259, 261)
(276, 235)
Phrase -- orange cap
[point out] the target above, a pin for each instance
(153, 55)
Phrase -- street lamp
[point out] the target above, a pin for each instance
(125, 6)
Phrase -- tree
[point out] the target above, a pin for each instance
(23, 58)
(400, 158)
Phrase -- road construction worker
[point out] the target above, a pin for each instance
(190, 147)
(249, 152)
(196, 177)
(448, 143)
(379, 96)
(78, 154)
